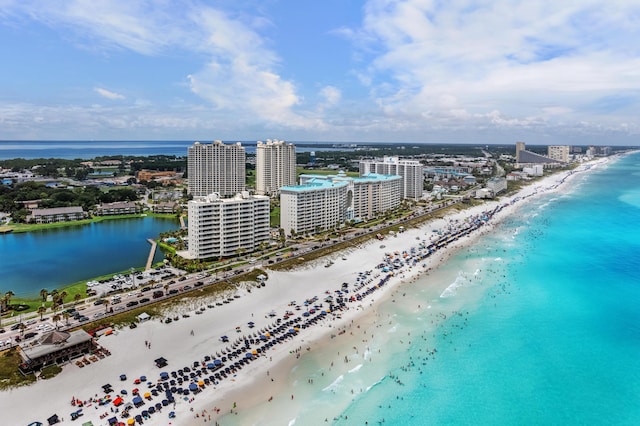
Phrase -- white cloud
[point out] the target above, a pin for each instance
(108, 94)
(471, 59)
(331, 95)
(431, 70)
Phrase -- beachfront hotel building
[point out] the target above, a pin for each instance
(411, 172)
(275, 166)
(216, 168)
(225, 227)
(323, 202)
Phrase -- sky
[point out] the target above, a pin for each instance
(490, 71)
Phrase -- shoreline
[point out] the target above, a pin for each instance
(246, 388)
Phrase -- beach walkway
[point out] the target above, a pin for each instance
(152, 253)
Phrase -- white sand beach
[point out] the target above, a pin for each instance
(189, 340)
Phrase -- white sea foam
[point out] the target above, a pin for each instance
(374, 385)
(334, 385)
(292, 422)
(452, 290)
(356, 368)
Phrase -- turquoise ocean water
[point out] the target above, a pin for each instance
(537, 323)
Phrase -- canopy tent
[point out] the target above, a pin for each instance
(137, 401)
(160, 362)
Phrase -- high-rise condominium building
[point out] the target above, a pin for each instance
(224, 227)
(324, 202)
(411, 172)
(275, 166)
(216, 168)
(559, 153)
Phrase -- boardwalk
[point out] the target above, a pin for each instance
(152, 253)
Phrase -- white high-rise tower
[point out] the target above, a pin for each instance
(275, 166)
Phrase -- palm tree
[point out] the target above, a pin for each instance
(77, 298)
(106, 304)
(6, 300)
(56, 318)
(41, 311)
(66, 315)
(44, 293)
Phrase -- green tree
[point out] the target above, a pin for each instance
(43, 294)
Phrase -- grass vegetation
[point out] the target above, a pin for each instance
(50, 371)
(324, 172)
(10, 376)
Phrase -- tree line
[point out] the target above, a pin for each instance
(12, 198)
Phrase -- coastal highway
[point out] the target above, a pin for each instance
(176, 283)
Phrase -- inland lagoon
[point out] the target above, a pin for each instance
(56, 257)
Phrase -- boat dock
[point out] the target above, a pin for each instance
(152, 253)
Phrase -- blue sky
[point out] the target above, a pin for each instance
(492, 71)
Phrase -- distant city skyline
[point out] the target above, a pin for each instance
(413, 71)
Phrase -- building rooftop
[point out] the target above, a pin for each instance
(53, 342)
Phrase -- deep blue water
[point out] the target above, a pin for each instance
(53, 258)
(91, 149)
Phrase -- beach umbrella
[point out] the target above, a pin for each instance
(193, 386)
(130, 421)
(164, 375)
(200, 383)
(143, 378)
(147, 395)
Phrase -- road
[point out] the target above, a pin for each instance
(170, 281)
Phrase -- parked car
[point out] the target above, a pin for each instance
(132, 303)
